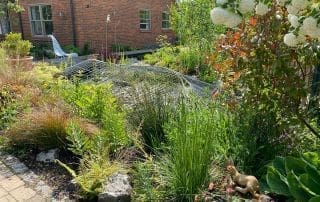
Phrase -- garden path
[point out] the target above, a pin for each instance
(18, 183)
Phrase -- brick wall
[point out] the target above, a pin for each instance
(90, 22)
(124, 25)
(61, 16)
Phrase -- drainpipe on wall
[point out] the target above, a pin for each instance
(74, 35)
(21, 26)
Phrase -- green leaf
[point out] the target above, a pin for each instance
(313, 173)
(315, 199)
(309, 185)
(295, 164)
(279, 164)
(312, 158)
(277, 183)
(295, 188)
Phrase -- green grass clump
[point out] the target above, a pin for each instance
(199, 134)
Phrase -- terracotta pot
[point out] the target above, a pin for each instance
(24, 63)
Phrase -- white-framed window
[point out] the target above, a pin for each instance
(145, 19)
(41, 20)
(165, 20)
(4, 25)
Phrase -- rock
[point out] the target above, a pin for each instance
(72, 186)
(117, 188)
(48, 157)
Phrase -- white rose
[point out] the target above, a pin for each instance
(292, 10)
(300, 4)
(246, 6)
(221, 2)
(233, 20)
(294, 20)
(219, 15)
(291, 40)
(310, 27)
(261, 9)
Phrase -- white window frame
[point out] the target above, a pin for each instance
(165, 20)
(43, 31)
(148, 21)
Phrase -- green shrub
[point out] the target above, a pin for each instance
(296, 178)
(148, 182)
(200, 133)
(71, 49)
(95, 166)
(42, 50)
(15, 46)
(86, 49)
(96, 102)
(9, 107)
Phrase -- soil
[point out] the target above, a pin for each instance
(53, 174)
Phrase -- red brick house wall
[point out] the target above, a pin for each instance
(123, 27)
(90, 22)
(61, 17)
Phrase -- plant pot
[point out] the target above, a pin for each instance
(23, 63)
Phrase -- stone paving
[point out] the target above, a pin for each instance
(18, 183)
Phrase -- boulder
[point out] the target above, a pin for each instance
(49, 156)
(117, 188)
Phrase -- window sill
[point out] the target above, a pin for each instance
(145, 30)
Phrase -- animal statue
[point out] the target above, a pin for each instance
(244, 183)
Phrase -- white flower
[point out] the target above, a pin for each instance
(262, 9)
(300, 4)
(292, 10)
(291, 40)
(310, 27)
(294, 20)
(281, 2)
(221, 2)
(301, 38)
(233, 20)
(219, 15)
(278, 17)
(246, 6)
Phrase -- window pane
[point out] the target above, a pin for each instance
(165, 24)
(48, 27)
(35, 13)
(145, 22)
(4, 25)
(165, 16)
(36, 27)
(143, 26)
(46, 12)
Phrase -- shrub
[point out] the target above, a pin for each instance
(95, 166)
(97, 103)
(148, 182)
(15, 46)
(296, 178)
(71, 49)
(42, 50)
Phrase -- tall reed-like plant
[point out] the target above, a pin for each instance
(200, 133)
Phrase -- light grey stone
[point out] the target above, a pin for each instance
(49, 156)
(117, 188)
